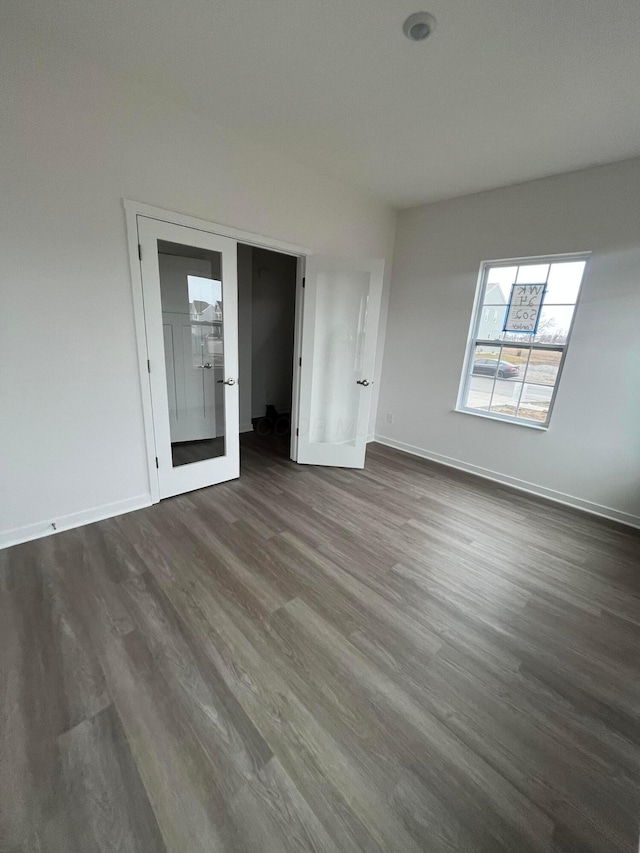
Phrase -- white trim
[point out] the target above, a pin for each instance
(522, 485)
(136, 208)
(552, 259)
(74, 519)
(246, 427)
(505, 419)
(297, 356)
(141, 345)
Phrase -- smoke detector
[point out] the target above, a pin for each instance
(419, 26)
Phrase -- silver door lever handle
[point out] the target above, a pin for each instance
(226, 381)
(364, 382)
(206, 366)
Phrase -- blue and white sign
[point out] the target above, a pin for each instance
(523, 313)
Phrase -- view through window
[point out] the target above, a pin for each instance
(519, 338)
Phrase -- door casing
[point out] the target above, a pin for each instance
(133, 209)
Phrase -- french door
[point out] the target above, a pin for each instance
(339, 335)
(189, 311)
(190, 297)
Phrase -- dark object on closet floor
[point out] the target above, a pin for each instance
(274, 423)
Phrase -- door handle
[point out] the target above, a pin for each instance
(364, 382)
(206, 366)
(226, 381)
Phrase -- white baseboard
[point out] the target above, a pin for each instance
(522, 485)
(75, 519)
(246, 427)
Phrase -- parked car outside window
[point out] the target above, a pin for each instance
(493, 367)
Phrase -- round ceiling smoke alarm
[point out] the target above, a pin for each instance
(419, 26)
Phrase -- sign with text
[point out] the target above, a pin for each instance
(524, 309)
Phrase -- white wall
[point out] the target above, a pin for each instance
(74, 143)
(591, 452)
(273, 323)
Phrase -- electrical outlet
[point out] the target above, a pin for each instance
(389, 417)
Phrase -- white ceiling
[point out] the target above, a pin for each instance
(504, 91)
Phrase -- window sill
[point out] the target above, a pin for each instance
(502, 419)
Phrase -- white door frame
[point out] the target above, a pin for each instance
(133, 209)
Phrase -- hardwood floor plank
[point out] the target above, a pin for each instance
(92, 594)
(271, 816)
(214, 712)
(334, 703)
(318, 766)
(112, 554)
(400, 659)
(230, 570)
(422, 739)
(51, 680)
(349, 598)
(185, 789)
(445, 824)
(341, 544)
(106, 803)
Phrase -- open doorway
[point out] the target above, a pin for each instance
(266, 333)
(193, 339)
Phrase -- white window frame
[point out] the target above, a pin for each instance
(473, 339)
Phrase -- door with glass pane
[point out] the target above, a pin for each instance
(339, 333)
(190, 289)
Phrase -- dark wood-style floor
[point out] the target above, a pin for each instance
(397, 659)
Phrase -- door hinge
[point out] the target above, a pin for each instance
(297, 432)
(139, 251)
(148, 366)
(157, 466)
(304, 281)
(300, 361)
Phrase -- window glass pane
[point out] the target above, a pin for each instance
(480, 391)
(564, 282)
(532, 274)
(523, 338)
(543, 366)
(483, 371)
(485, 359)
(554, 324)
(499, 283)
(513, 361)
(505, 397)
(535, 402)
(491, 322)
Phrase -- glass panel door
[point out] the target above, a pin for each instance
(190, 296)
(191, 293)
(340, 327)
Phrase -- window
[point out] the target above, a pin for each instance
(519, 336)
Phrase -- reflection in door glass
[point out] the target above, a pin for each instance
(191, 290)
